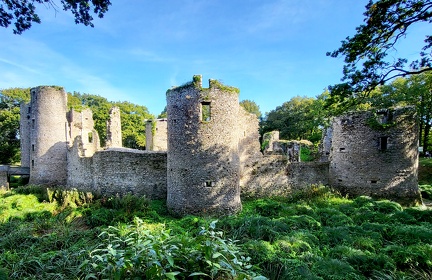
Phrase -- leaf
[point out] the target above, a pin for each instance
(171, 275)
(260, 277)
(170, 260)
(198, 274)
(216, 255)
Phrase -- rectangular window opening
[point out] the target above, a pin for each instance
(90, 137)
(209, 184)
(33, 147)
(33, 123)
(383, 143)
(32, 163)
(205, 112)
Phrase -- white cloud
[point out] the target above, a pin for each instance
(33, 63)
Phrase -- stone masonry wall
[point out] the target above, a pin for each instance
(25, 145)
(157, 135)
(48, 136)
(118, 171)
(376, 155)
(80, 168)
(4, 185)
(81, 124)
(203, 157)
(326, 144)
(114, 133)
(249, 145)
(273, 176)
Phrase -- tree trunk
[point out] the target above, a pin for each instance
(426, 136)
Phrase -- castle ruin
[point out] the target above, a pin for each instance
(207, 153)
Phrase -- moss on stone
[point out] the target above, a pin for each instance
(217, 84)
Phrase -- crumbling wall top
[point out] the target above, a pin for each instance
(197, 83)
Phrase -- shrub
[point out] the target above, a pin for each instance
(412, 256)
(333, 217)
(410, 234)
(335, 269)
(136, 251)
(426, 191)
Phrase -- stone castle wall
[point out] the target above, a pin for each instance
(157, 135)
(118, 171)
(214, 153)
(274, 176)
(48, 129)
(81, 124)
(25, 137)
(376, 155)
(114, 133)
(203, 157)
(249, 144)
(4, 185)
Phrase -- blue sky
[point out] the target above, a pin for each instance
(272, 50)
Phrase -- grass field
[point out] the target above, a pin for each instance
(315, 234)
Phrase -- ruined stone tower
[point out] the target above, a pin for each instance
(203, 166)
(114, 135)
(376, 154)
(156, 135)
(44, 130)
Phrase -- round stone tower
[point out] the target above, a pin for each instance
(203, 169)
(48, 133)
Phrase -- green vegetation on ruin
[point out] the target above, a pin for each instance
(197, 82)
(217, 84)
(373, 122)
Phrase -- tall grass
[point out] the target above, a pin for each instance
(313, 234)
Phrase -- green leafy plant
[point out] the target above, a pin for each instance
(135, 250)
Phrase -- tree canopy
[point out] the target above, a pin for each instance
(132, 117)
(299, 118)
(366, 54)
(22, 13)
(10, 100)
(251, 107)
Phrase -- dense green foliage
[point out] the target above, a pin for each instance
(251, 107)
(10, 100)
(366, 54)
(425, 171)
(23, 13)
(132, 117)
(314, 234)
(299, 118)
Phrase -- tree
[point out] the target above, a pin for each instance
(132, 117)
(251, 107)
(22, 13)
(163, 114)
(10, 100)
(299, 118)
(133, 124)
(386, 23)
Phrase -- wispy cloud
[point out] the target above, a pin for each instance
(33, 63)
(18, 65)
